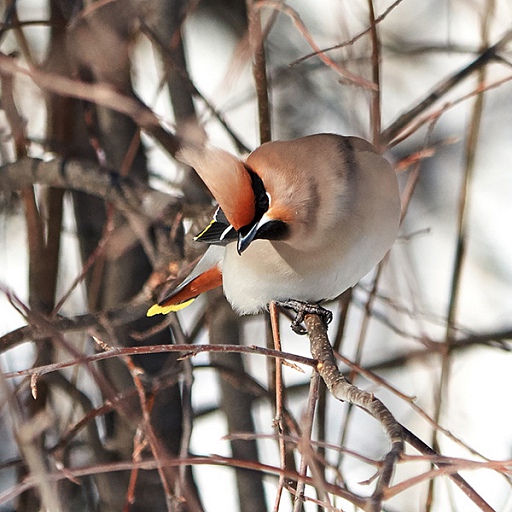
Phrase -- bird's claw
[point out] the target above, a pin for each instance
(301, 310)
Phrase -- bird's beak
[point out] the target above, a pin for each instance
(245, 239)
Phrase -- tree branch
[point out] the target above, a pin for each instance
(342, 390)
(488, 55)
(99, 94)
(125, 194)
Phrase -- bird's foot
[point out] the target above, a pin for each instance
(301, 310)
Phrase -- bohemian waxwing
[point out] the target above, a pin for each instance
(298, 222)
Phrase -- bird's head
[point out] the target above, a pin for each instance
(304, 192)
(268, 222)
(252, 208)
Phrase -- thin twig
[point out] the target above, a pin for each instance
(148, 464)
(139, 443)
(345, 75)
(455, 477)
(306, 442)
(188, 350)
(167, 56)
(278, 419)
(351, 41)
(99, 94)
(186, 398)
(490, 54)
(166, 477)
(462, 233)
(260, 71)
(433, 117)
(375, 114)
(28, 435)
(369, 374)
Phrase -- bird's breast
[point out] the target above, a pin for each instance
(267, 271)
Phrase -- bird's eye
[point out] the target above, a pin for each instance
(261, 197)
(263, 201)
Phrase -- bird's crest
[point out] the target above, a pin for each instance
(227, 179)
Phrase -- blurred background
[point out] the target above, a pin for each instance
(95, 214)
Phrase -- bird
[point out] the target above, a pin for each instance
(298, 222)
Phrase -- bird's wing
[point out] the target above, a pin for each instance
(219, 231)
(206, 275)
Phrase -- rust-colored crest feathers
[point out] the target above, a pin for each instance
(227, 179)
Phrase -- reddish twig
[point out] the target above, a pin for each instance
(278, 419)
(354, 39)
(345, 75)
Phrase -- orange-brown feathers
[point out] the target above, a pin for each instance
(208, 280)
(227, 179)
(282, 213)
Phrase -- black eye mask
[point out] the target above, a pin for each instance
(220, 231)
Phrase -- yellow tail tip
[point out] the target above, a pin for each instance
(156, 309)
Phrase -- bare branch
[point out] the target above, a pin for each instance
(488, 55)
(99, 94)
(125, 194)
(345, 75)
(342, 390)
